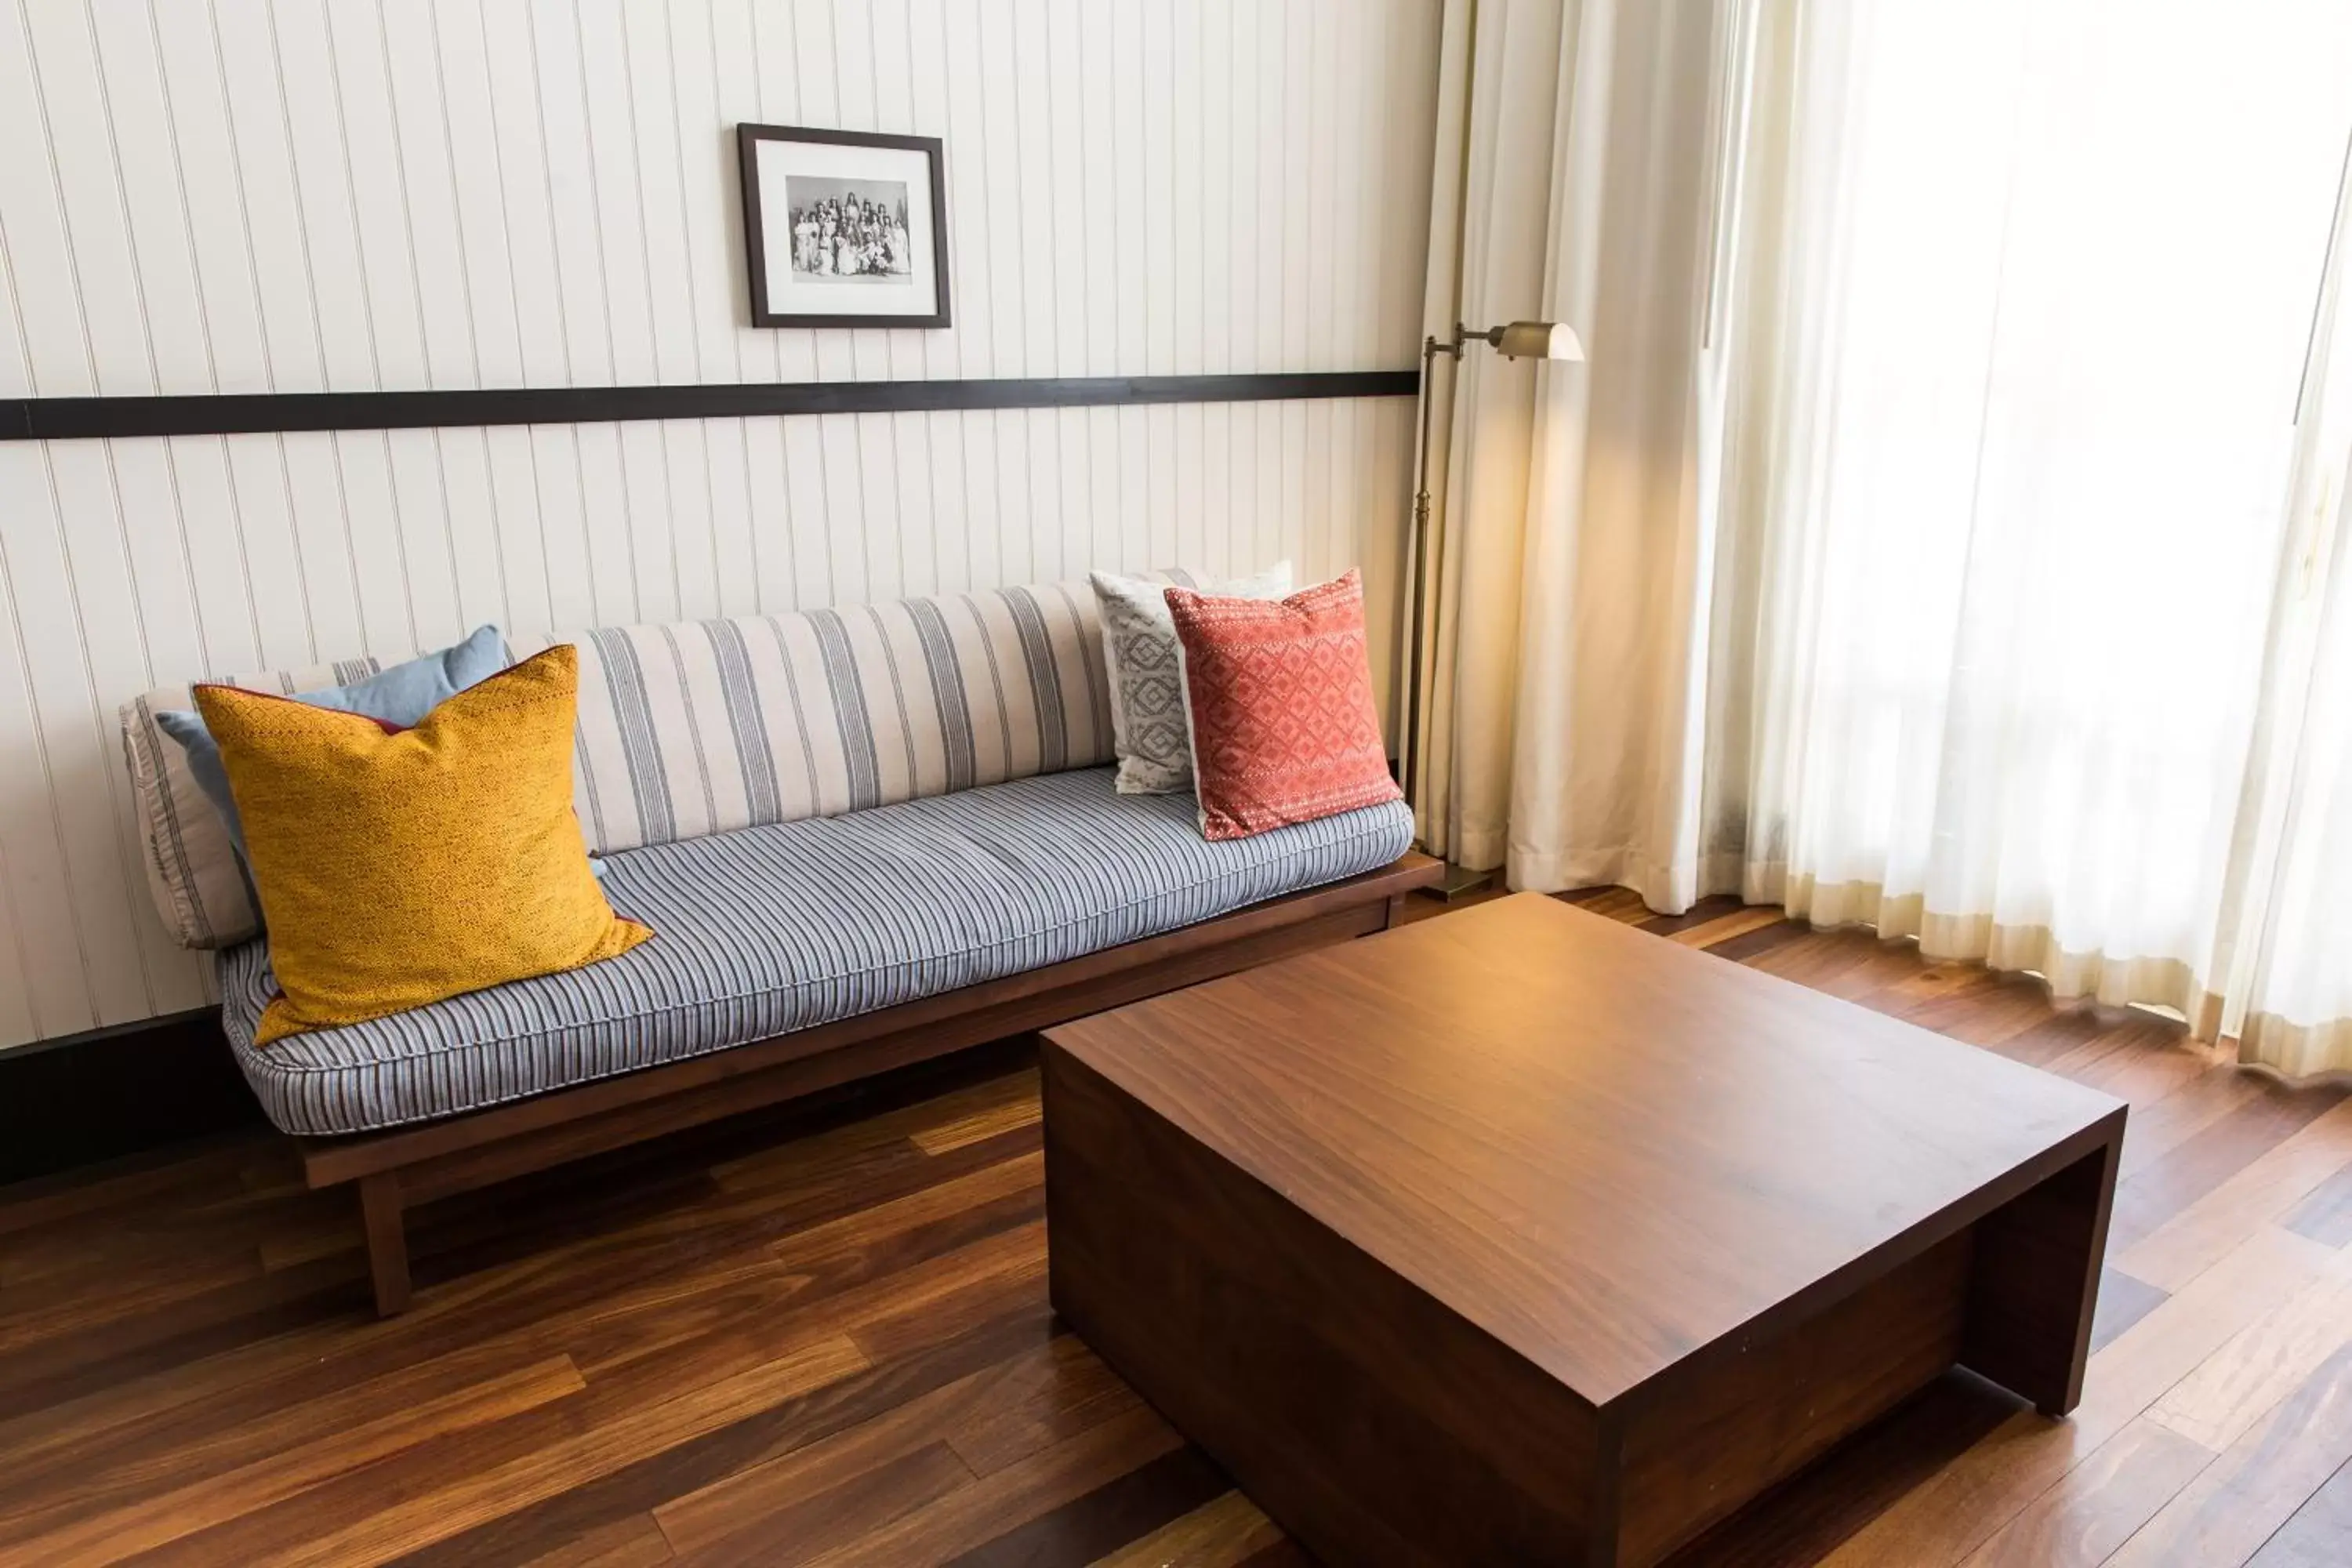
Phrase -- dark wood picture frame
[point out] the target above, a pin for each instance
(748, 138)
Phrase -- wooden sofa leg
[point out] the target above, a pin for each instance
(387, 1240)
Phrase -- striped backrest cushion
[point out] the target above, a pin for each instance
(706, 726)
(192, 869)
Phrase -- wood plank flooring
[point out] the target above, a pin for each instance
(822, 1337)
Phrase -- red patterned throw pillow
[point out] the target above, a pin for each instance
(1280, 694)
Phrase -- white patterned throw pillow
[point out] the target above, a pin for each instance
(1149, 727)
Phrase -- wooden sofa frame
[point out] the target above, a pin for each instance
(414, 1164)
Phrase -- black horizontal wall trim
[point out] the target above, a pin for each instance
(238, 412)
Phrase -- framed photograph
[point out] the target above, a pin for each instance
(844, 228)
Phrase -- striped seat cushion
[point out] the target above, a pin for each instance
(709, 726)
(782, 927)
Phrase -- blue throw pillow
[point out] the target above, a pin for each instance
(402, 695)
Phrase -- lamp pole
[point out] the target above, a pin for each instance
(1417, 559)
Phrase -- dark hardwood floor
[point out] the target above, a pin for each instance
(822, 1336)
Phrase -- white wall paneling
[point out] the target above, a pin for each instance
(307, 195)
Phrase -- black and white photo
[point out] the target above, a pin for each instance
(843, 229)
(850, 229)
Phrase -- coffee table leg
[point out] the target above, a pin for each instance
(2035, 1281)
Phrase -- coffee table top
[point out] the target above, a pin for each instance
(1607, 1150)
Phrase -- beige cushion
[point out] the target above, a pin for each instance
(191, 870)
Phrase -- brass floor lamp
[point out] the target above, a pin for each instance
(1519, 340)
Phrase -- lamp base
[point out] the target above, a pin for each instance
(1459, 882)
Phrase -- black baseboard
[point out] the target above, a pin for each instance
(116, 1091)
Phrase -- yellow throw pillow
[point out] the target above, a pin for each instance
(399, 866)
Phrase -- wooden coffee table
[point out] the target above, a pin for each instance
(1523, 1236)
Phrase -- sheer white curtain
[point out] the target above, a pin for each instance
(2288, 964)
(2012, 526)
(1959, 547)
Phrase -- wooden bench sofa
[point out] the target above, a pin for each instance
(863, 838)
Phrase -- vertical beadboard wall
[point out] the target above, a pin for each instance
(295, 196)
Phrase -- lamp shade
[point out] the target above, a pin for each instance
(1537, 339)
